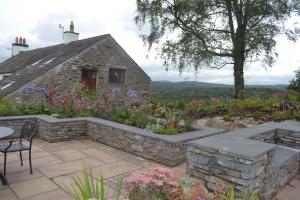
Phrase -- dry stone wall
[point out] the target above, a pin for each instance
(248, 159)
(168, 150)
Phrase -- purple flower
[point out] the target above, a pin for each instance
(43, 91)
(131, 93)
(116, 90)
(28, 90)
(199, 198)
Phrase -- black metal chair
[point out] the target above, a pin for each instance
(28, 132)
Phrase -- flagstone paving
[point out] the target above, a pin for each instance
(55, 164)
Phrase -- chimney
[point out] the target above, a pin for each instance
(19, 46)
(70, 36)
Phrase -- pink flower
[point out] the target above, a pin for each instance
(63, 101)
(80, 105)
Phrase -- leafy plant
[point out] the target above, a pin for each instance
(7, 107)
(230, 194)
(85, 187)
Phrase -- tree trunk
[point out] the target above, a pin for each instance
(238, 66)
(238, 69)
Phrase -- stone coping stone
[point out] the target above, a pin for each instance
(166, 149)
(238, 147)
(240, 142)
(283, 155)
(252, 132)
(183, 137)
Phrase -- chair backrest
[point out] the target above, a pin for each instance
(29, 130)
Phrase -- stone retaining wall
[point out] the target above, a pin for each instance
(282, 137)
(168, 150)
(247, 159)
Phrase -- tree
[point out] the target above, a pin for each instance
(295, 83)
(216, 33)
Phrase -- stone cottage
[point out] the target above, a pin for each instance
(98, 62)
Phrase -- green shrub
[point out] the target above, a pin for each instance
(281, 116)
(227, 118)
(8, 107)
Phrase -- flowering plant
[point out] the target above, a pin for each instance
(156, 183)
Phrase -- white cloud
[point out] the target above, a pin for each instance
(38, 21)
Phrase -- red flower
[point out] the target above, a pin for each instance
(63, 101)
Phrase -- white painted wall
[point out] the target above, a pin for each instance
(17, 48)
(70, 37)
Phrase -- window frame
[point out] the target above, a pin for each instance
(123, 72)
(90, 73)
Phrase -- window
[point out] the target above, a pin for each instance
(117, 76)
(3, 76)
(89, 78)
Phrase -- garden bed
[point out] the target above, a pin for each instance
(166, 149)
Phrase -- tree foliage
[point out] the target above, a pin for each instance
(295, 83)
(216, 33)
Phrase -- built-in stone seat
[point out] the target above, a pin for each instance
(283, 155)
(284, 166)
(251, 159)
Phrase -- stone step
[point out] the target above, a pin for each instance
(284, 166)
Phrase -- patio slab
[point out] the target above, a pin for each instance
(23, 176)
(69, 154)
(57, 194)
(33, 187)
(115, 169)
(68, 167)
(103, 156)
(7, 194)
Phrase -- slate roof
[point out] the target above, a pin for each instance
(28, 65)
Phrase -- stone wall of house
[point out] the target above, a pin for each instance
(168, 150)
(103, 55)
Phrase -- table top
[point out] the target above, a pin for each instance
(5, 131)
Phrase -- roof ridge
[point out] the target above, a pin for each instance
(63, 44)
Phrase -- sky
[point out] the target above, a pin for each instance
(38, 21)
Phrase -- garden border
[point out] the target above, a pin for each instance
(165, 149)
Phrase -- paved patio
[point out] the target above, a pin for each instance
(55, 164)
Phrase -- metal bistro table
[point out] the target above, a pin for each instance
(5, 132)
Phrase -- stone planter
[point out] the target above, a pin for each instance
(168, 150)
(250, 159)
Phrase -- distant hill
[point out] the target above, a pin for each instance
(166, 91)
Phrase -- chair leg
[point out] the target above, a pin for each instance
(30, 162)
(4, 171)
(21, 158)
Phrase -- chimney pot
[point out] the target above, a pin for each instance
(19, 45)
(70, 36)
(72, 27)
